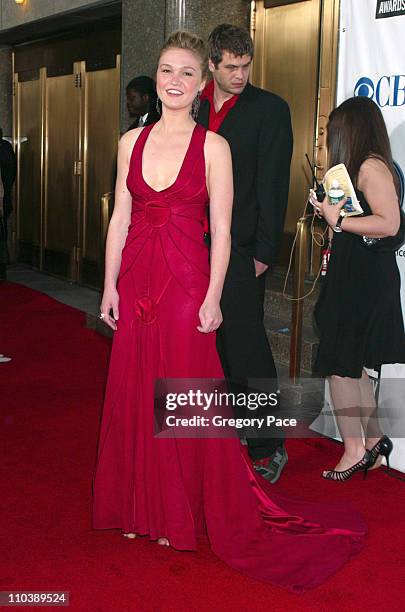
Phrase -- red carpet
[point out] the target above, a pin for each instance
(51, 394)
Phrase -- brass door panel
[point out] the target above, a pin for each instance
(61, 184)
(101, 133)
(66, 130)
(286, 62)
(28, 188)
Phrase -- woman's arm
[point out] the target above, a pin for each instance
(220, 189)
(377, 184)
(117, 230)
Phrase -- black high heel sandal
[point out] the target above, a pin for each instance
(384, 448)
(343, 475)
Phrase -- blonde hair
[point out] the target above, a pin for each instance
(182, 39)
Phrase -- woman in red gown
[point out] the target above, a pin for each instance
(164, 300)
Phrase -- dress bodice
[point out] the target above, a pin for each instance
(186, 197)
(167, 226)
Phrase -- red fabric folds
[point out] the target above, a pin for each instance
(186, 488)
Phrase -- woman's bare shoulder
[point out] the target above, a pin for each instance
(373, 169)
(126, 145)
(128, 139)
(216, 144)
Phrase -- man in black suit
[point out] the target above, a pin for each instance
(141, 101)
(257, 126)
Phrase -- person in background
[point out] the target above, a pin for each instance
(257, 126)
(358, 312)
(141, 101)
(8, 171)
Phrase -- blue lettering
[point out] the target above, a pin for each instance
(378, 91)
(399, 79)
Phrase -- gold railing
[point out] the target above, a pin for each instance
(301, 262)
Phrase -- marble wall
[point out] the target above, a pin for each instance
(201, 16)
(6, 99)
(143, 31)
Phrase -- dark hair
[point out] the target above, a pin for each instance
(227, 37)
(1, 134)
(356, 132)
(183, 39)
(143, 84)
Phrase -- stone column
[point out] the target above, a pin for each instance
(143, 32)
(201, 16)
(6, 99)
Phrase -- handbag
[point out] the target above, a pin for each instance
(390, 243)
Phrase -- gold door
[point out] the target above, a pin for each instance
(295, 56)
(27, 136)
(286, 62)
(66, 130)
(101, 133)
(61, 205)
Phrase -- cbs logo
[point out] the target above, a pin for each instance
(386, 91)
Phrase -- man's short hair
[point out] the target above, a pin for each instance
(144, 85)
(227, 37)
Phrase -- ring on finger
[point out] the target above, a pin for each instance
(102, 315)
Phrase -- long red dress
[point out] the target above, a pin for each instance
(185, 488)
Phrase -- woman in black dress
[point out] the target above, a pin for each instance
(359, 311)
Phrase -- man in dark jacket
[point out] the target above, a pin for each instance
(8, 169)
(141, 101)
(257, 126)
